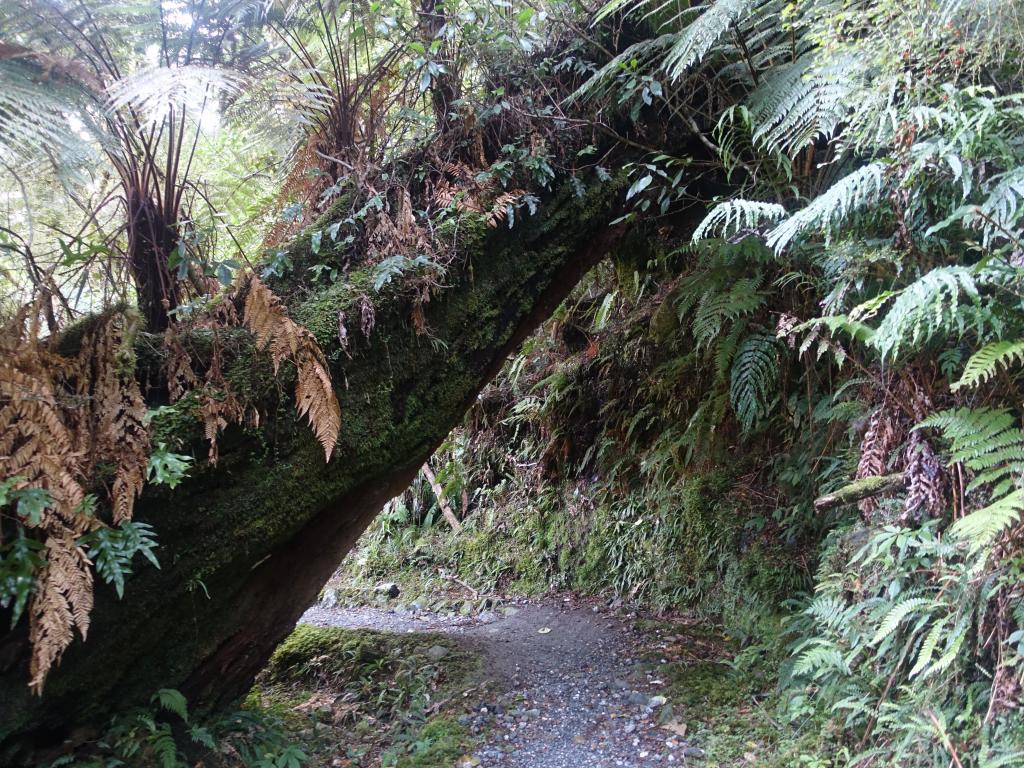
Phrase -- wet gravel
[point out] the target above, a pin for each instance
(564, 687)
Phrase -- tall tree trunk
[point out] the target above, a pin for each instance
(247, 545)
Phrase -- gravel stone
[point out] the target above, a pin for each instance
(557, 708)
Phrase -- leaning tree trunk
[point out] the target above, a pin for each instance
(247, 545)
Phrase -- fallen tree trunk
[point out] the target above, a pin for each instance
(247, 545)
(858, 490)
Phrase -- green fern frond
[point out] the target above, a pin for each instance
(1000, 213)
(954, 642)
(829, 610)
(614, 6)
(986, 362)
(855, 329)
(736, 215)
(981, 527)
(848, 195)
(800, 102)
(820, 658)
(929, 646)
(715, 309)
(704, 421)
(755, 376)
(156, 90)
(38, 117)
(927, 307)
(698, 38)
(898, 613)
(984, 439)
(641, 54)
(725, 351)
(987, 441)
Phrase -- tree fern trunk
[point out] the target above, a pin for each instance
(150, 243)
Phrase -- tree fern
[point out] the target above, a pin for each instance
(755, 376)
(927, 307)
(799, 102)
(987, 361)
(736, 215)
(698, 38)
(851, 193)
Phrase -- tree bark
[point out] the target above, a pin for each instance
(865, 488)
(247, 545)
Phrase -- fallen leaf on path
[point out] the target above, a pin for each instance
(676, 727)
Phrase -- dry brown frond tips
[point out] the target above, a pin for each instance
(60, 418)
(268, 320)
(73, 430)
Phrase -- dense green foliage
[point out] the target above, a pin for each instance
(852, 309)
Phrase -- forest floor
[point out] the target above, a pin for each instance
(566, 682)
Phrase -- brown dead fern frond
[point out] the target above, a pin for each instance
(60, 418)
(398, 232)
(499, 210)
(120, 434)
(880, 438)
(39, 432)
(63, 602)
(177, 365)
(267, 319)
(927, 480)
(218, 408)
(218, 404)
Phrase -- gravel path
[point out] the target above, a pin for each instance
(566, 690)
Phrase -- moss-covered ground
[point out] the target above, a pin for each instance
(365, 698)
(726, 699)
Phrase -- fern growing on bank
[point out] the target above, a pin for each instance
(989, 443)
(755, 378)
(988, 361)
(826, 212)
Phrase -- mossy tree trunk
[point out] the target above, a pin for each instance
(247, 545)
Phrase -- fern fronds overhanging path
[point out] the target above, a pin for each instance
(247, 544)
